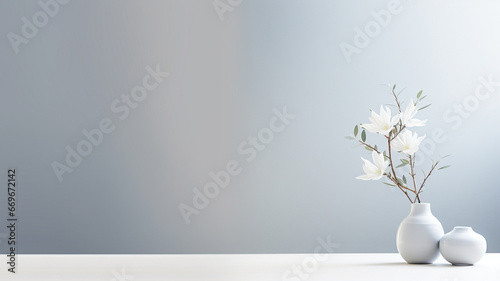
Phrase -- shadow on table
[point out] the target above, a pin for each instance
(407, 264)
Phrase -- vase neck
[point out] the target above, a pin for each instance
(420, 209)
(462, 229)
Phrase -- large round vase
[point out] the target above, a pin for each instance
(419, 234)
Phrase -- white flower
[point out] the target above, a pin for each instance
(381, 123)
(407, 116)
(375, 170)
(407, 142)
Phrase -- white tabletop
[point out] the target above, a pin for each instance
(276, 267)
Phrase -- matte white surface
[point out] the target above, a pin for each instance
(245, 267)
(418, 235)
(462, 246)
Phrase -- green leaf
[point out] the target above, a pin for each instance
(444, 167)
(401, 165)
(404, 179)
(356, 131)
(446, 156)
(400, 181)
(367, 148)
(394, 87)
(376, 148)
(349, 138)
(389, 184)
(406, 162)
(424, 107)
(419, 94)
(363, 135)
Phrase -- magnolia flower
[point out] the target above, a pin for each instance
(381, 123)
(375, 170)
(407, 116)
(407, 142)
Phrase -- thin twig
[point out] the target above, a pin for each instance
(371, 147)
(397, 101)
(401, 128)
(395, 179)
(412, 173)
(428, 175)
(401, 187)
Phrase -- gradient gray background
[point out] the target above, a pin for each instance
(226, 77)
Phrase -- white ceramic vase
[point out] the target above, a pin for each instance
(462, 246)
(419, 234)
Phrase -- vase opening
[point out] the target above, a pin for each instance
(462, 228)
(420, 208)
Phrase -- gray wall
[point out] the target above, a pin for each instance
(227, 78)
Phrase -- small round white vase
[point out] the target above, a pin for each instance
(462, 246)
(419, 234)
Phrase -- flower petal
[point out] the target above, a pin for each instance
(365, 177)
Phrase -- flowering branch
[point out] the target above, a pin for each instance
(400, 139)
